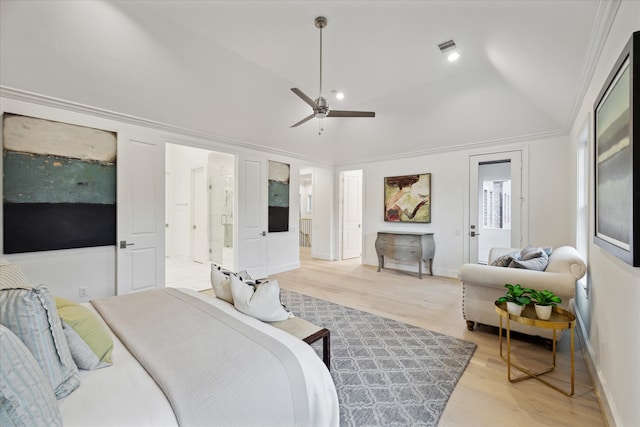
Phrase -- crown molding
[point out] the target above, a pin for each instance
(184, 136)
(178, 134)
(480, 145)
(605, 16)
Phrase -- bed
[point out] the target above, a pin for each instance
(184, 358)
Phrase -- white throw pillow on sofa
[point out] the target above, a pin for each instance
(261, 301)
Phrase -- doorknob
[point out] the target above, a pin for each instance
(124, 244)
(264, 233)
(473, 234)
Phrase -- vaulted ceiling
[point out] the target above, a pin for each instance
(225, 68)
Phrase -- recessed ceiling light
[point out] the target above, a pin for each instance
(449, 48)
(338, 94)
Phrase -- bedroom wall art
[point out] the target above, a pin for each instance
(617, 158)
(279, 174)
(407, 198)
(59, 185)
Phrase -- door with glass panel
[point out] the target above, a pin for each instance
(495, 203)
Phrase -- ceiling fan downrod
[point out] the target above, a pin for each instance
(321, 23)
(320, 106)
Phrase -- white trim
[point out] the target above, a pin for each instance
(602, 24)
(480, 147)
(524, 193)
(607, 404)
(232, 144)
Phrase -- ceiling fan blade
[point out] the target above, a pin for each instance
(338, 113)
(304, 97)
(309, 117)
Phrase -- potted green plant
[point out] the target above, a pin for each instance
(544, 302)
(516, 298)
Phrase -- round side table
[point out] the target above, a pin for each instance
(560, 319)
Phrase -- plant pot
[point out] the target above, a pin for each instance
(543, 311)
(514, 308)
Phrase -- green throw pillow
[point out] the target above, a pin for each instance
(89, 339)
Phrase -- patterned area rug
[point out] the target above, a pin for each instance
(387, 373)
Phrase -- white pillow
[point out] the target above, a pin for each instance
(261, 301)
(221, 283)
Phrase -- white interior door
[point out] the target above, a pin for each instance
(199, 213)
(141, 179)
(495, 203)
(352, 214)
(252, 216)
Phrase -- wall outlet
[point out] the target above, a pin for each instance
(82, 292)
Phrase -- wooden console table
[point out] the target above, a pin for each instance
(406, 246)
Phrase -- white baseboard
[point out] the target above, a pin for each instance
(414, 269)
(599, 384)
(283, 268)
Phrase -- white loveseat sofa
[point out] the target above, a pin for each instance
(483, 284)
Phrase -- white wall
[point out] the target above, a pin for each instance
(323, 233)
(282, 247)
(95, 268)
(610, 315)
(65, 271)
(548, 195)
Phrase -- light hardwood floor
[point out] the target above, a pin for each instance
(483, 396)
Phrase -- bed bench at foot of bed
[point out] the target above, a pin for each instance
(309, 333)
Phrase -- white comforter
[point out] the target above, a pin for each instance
(125, 395)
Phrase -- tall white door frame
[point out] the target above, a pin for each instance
(251, 250)
(141, 231)
(519, 206)
(351, 233)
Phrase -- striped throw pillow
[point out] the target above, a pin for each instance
(26, 396)
(30, 313)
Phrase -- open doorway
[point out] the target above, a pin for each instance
(199, 217)
(306, 212)
(316, 213)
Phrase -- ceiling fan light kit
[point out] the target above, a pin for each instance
(320, 106)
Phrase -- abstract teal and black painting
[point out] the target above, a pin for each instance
(59, 185)
(278, 196)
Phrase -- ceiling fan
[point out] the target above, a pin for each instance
(320, 105)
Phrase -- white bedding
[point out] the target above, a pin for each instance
(125, 395)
